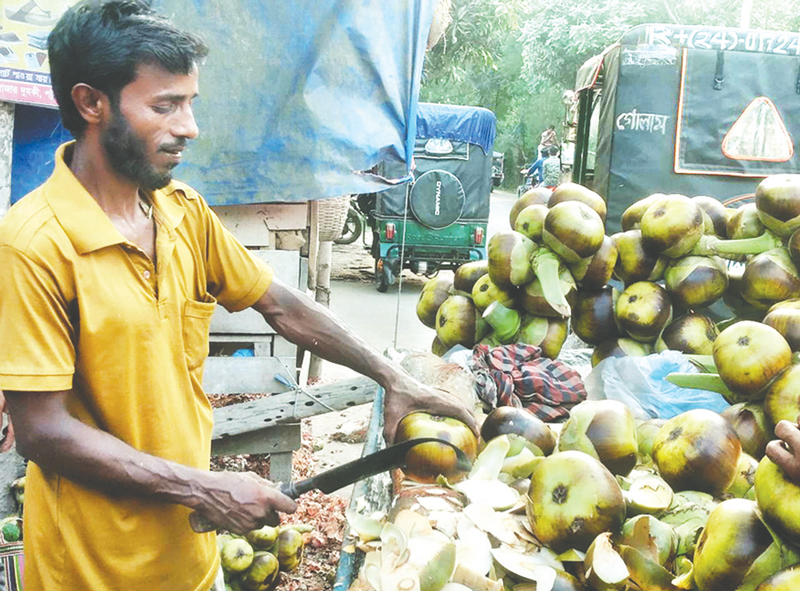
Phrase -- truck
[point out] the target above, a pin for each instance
(693, 110)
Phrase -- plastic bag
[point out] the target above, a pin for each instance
(639, 382)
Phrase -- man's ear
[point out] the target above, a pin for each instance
(92, 104)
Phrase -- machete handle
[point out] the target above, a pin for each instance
(202, 525)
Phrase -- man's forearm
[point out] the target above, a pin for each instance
(48, 435)
(99, 460)
(315, 328)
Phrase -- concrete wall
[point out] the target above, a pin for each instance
(11, 464)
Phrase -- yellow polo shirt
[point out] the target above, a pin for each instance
(83, 310)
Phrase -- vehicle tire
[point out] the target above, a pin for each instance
(380, 276)
(352, 228)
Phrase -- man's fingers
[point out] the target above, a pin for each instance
(777, 452)
(789, 433)
(389, 431)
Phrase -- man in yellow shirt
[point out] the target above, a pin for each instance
(112, 271)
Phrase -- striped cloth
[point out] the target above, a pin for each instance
(518, 375)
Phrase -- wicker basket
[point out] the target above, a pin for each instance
(332, 216)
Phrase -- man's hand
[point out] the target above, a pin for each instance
(7, 437)
(785, 452)
(407, 395)
(242, 501)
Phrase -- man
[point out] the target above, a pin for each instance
(535, 171)
(547, 140)
(551, 169)
(112, 272)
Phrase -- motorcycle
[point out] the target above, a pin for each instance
(357, 218)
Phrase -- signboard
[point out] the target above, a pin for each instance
(751, 41)
(24, 68)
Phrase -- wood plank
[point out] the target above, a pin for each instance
(292, 406)
(251, 224)
(286, 267)
(244, 375)
(268, 440)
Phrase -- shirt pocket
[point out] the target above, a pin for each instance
(196, 325)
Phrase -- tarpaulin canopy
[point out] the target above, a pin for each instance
(298, 98)
(474, 125)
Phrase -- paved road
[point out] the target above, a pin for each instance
(389, 319)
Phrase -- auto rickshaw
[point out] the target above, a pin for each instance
(439, 219)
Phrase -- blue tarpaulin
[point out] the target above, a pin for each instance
(474, 125)
(298, 98)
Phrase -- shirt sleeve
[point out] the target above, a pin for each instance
(235, 276)
(36, 334)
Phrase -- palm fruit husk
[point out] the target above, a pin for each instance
(778, 499)
(769, 278)
(750, 423)
(632, 217)
(787, 579)
(695, 282)
(634, 263)
(697, 450)
(671, 226)
(745, 477)
(549, 334)
(510, 255)
(778, 203)
(652, 538)
(643, 310)
(688, 516)
(509, 420)
(691, 333)
(605, 430)
(573, 230)
(732, 540)
(718, 213)
(572, 499)
(576, 192)
(620, 347)
(744, 222)
(648, 494)
(782, 398)
(505, 322)
(530, 221)
(596, 271)
(484, 292)
(459, 322)
(433, 294)
(785, 318)
(604, 568)
(467, 274)
(534, 296)
(748, 355)
(535, 196)
(645, 435)
(593, 318)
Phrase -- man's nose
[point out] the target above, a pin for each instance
(185, 125)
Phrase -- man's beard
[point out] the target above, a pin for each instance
(127, 154)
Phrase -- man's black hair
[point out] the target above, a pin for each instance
(553, 150)
(102, 42)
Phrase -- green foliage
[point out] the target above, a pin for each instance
(516, 57)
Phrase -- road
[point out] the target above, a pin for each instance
(389, 319)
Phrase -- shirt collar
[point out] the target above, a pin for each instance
(85, 223)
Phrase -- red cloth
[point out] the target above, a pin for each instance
(518, 375)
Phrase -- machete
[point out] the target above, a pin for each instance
(341, 476)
